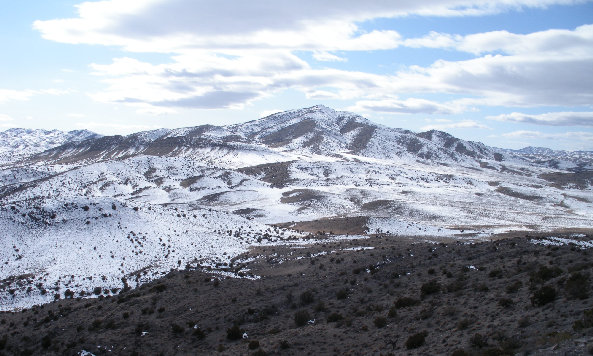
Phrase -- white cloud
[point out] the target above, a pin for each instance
(407, 106)
(573, 135)
(5, 118)
(114, 128)
(549, 119)
(15, 95)
(7, 95)
(176, 25)
(328, 57)
(228, 54)
(467, 124)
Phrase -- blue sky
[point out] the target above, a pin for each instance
(509, 73)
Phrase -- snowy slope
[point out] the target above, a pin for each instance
(16, 144)
(101, 211)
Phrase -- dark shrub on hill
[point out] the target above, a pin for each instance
(577, 286)
(234, 333)
(380, 322)
(342, 293)
(431, 287)
(307, 297)
(543, 296)
(478, 340)
(301, 317)
(416, 340)
(405, 302)
(333, 317)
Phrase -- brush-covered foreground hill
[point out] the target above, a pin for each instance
(114, 212)
(372, 296)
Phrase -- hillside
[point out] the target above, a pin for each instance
(114, 212)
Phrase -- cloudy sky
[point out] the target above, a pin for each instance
(510, 73)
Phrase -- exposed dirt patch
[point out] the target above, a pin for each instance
(347, 225)
(301, 196)
(515, 194)
(579, 180)
(277, 174)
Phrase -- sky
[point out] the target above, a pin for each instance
(509, 73)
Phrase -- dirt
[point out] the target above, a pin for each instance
(397, 296)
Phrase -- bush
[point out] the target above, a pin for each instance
(301, 317)
(334, 317)
(234, 333)
(416, 340)
(253, 345)
(380, 322)
(459, 352)
(586, 322)
(543, 296)
(431, 287)
(342, 293)
(505, 302)
(495, 273)
(577, 286)
(97, 290)
(544, 274)
(307, 297)
(514, 287)
(405, 302)
(284, 345)
(478, 340)
(46, 341)
(177, 329)
(392, 312)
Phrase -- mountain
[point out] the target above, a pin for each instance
(318, 130)
(117, 211)
(16, 144)
(574, 160)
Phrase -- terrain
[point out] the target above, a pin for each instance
(86, 217)
(371, 296)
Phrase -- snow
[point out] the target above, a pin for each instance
(190, 205)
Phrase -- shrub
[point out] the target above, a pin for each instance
(253, 345)
(177, 329)
(416, 340)
(464, 323)
(392, 312)
(405, 302)
(514, 287)
(342, 293)
(301, 317)
(505, 302)
(544, 274)
(334, 317)
(478, 340)
(307, 297)
(431, 287)
(577, 286)
(3, 342)
(380, 322)
(543, 296)
(234, 333)
(46, 341)
(459, 352)
(97, 290)
(586, 322)
(199, 334)
(495, 273)
(284, 345)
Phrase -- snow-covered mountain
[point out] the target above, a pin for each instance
(116, 211)
(16, 144)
